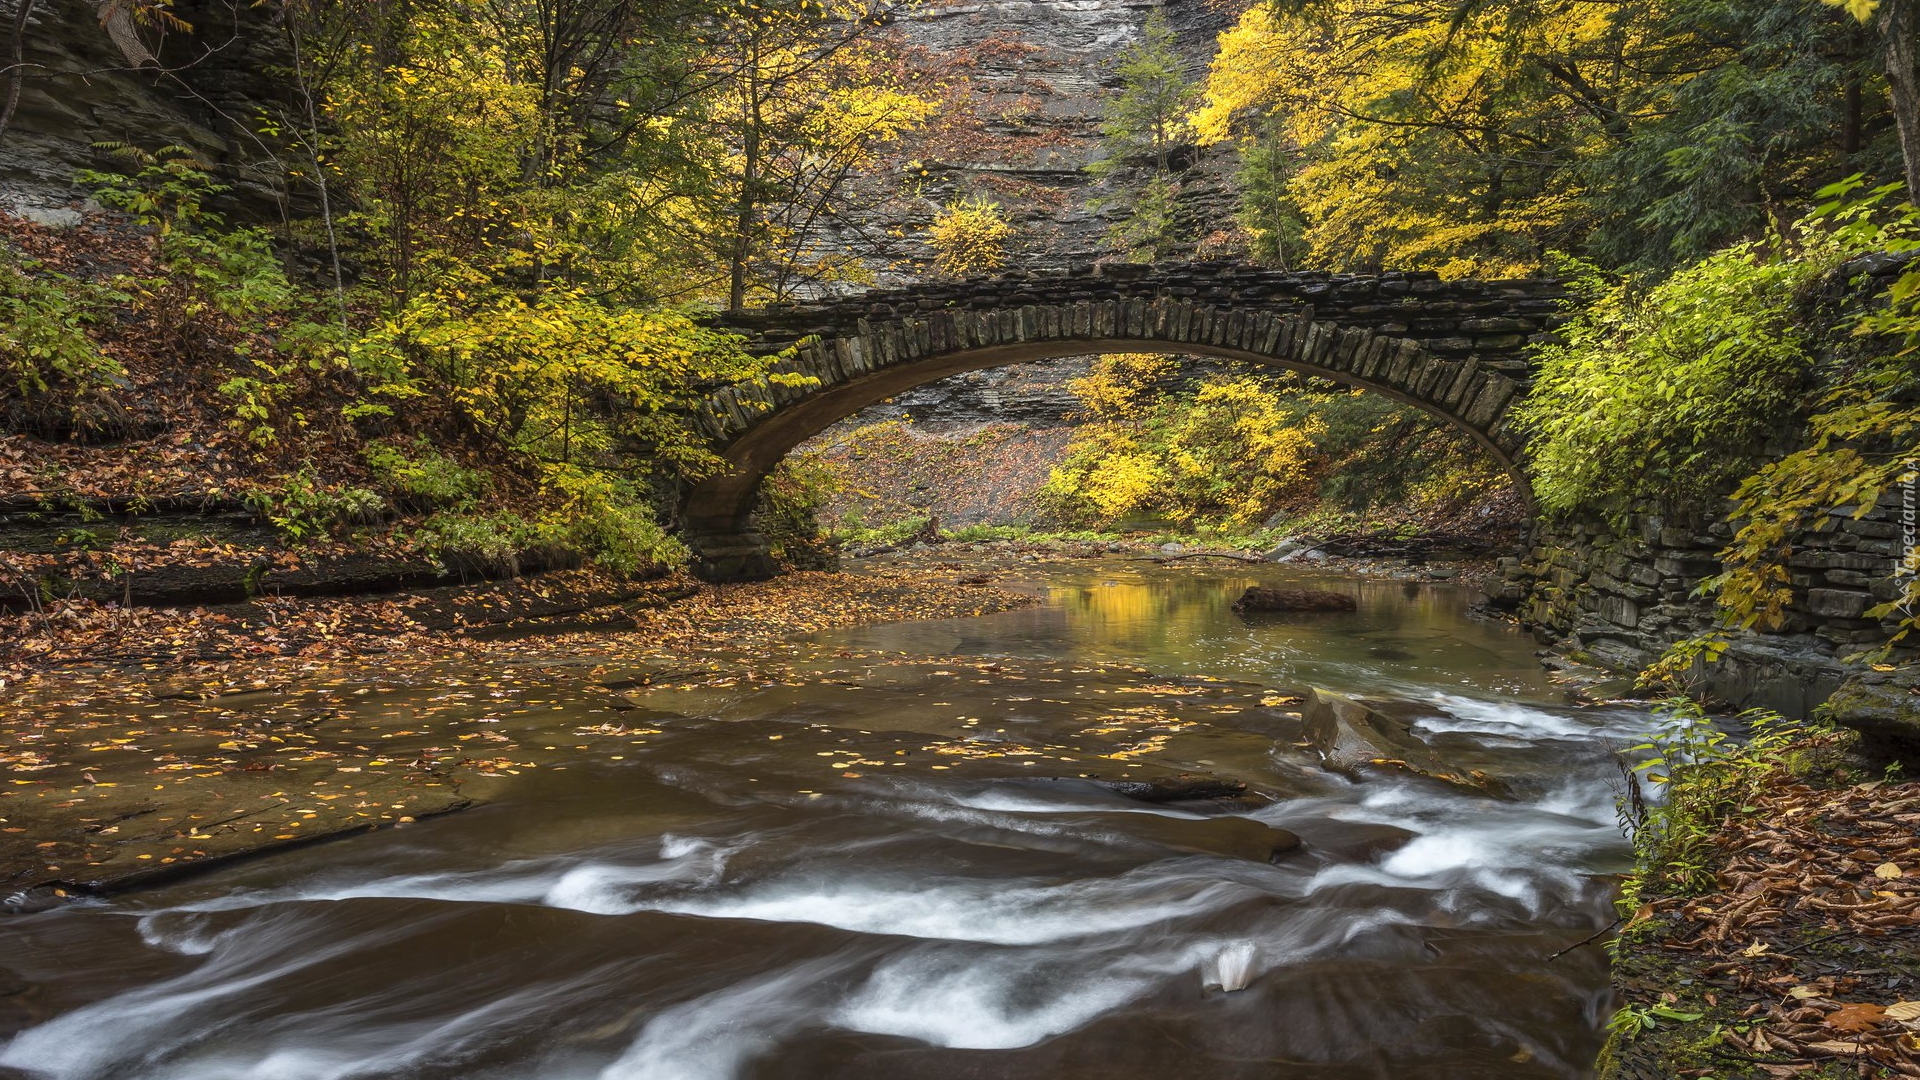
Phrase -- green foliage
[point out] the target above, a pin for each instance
(1148, 231)
(1665, 392)
(1382, 454)
(305, 509)
(1148, 116)
(222, 299)
(968, 534)
(564, 380)
(1701, 778)
(890, 534)
(44, 347)
(610, 523)
(1861, 440)
(791, 498)
(422, 478)
(1268, 213)
(587, 517)
(969, 236)
(168, 193)
(1789, 102)
(1631, 1021)
(1145, 121)
(487, 545)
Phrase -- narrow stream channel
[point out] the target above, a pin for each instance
(885, 854)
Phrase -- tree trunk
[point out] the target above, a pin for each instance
(19, 65)
(743, 223)
(749, 179)
(1899, 25)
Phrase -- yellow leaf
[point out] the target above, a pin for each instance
(1905, 1012)
(1888, 871)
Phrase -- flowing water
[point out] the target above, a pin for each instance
(883, 854)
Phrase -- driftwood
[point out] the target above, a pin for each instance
(1200, 555)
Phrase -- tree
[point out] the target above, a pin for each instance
(1473, 138)
(801, 99)
(1898, 23)
(1145, 122)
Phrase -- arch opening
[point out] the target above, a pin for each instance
(717, 513)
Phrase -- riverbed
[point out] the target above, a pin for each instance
(907, 850)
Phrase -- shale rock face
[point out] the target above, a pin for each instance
(200, 92)
(1058, 57)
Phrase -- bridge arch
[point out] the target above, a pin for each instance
(1455, 348)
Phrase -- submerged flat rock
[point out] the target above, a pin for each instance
(1348, 735)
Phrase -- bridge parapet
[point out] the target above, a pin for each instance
(1491, 321)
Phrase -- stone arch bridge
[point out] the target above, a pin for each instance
(1458, 349)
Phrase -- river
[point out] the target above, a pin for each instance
(887, 852)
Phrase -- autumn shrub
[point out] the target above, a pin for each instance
(54, 381)
(584, 517)
(1121, 386)
(969, 236)
(422, 478)
(1697, 778)
(1861, 440)
(1224, 454)
(791, 498)
(1667, 392)
(304, 508)
(486, 544)
(1378, 453)
(221, 300)
(560, 378)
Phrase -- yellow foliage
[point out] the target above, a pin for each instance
(969, 237)
(1119, 385)
(1410, 119)
(1226, 453)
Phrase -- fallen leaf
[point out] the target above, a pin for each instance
(1857, 1017)
(1889, 871)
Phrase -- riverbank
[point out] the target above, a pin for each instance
(139, 744)
(1802, 958)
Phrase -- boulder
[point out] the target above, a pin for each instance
(1176, 788)
(1262, 598)
(1237, 837)
(1884, 707)
(1284, 550)
(1350, 735)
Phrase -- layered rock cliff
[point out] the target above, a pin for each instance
(79, 89)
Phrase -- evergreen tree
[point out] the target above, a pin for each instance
(1145, 122)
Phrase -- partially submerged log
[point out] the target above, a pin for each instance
(1262, 598)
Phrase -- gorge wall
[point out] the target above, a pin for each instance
(201, 90)
(1046, 68)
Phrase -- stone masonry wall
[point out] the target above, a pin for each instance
(1619, 597)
